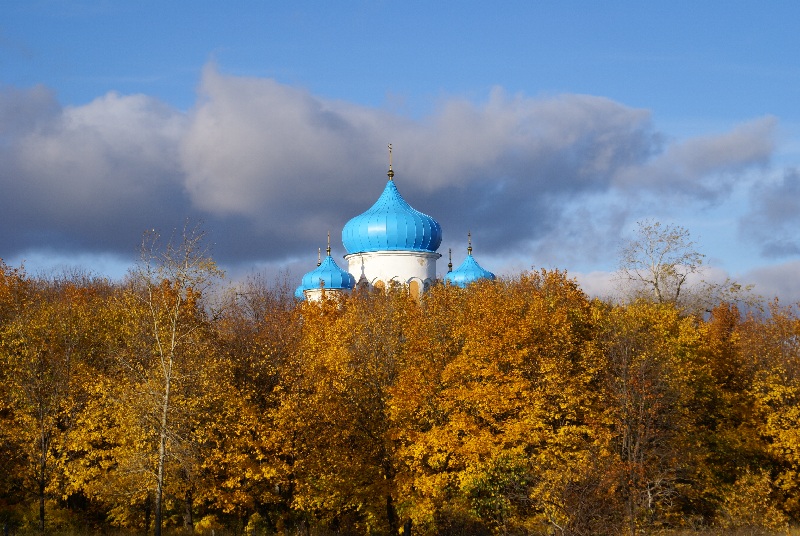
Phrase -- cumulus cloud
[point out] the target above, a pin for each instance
(779, 280)
(90, 176)
(704, 168)
(603, 285)
(272, 168)
(774, 216)
(296, 165)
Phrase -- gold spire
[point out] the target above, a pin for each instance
(319, 256)
(328, 251)
(469, 242)
(391, 173)
(450, 264)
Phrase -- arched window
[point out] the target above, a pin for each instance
(414, 288)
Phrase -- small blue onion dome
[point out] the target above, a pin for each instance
(468, 272)
(391, 224)
(326, 275)
(299, 294)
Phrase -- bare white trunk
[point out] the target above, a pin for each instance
(162, 450)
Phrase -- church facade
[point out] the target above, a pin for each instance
(390, 243)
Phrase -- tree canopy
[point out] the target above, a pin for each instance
(516, 406)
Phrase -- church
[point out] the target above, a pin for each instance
(390, 243)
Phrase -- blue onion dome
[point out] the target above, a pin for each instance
(326, 275)
(299, 294)
(391, 224)
(468, 272)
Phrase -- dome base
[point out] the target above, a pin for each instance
(402, 267)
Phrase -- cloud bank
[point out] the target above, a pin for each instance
(271, 168)
(774, 216)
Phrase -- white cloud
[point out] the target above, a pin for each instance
(254, 146)
(779, 280)
(272, 168)
(775, 215)
(705, 167)
(89, 175)
(287, 160)
(598, 284)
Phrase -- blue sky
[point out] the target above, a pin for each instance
(546, 128)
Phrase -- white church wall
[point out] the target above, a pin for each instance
(400, 266)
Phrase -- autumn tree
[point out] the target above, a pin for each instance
(503, 435)
(47, 351)
(164, 347)
(661, 263)
(773, 345)
(433, 339)
(14, 291)
(651, 355)
(517, 406)
(14, 283)
(338, 411)
(256, 335)
(723, 413)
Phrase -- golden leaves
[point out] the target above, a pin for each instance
(516, 406)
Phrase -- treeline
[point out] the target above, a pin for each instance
(511, 407)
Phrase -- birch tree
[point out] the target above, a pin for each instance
(659, 261)
(662, 264)
(165, 293)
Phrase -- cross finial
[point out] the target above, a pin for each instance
(328, 251)
(450, 264)
(391, 173)
(319, 256)
(469, 243)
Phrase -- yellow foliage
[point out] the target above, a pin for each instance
(775, 344)
(517, 406)
(749, 504)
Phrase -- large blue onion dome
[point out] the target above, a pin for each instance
(468, 272)
(326, 275)
(391, 224)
